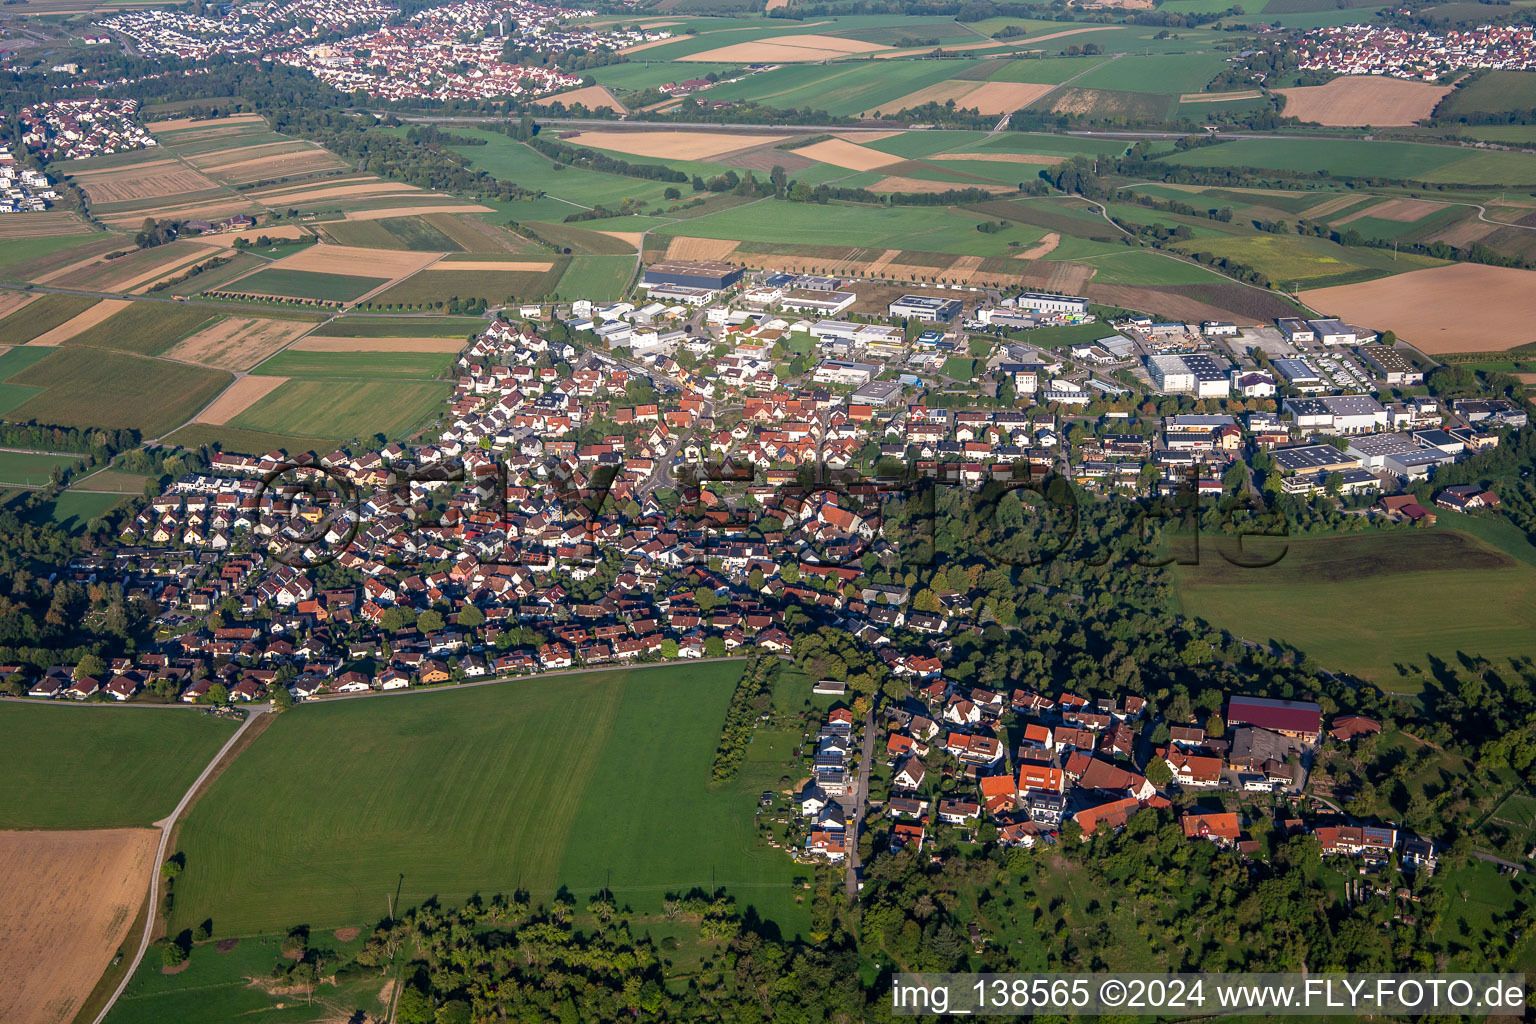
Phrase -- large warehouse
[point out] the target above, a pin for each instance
(715, 274)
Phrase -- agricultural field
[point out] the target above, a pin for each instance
(359, 365)
(1359, 158)
(70, 898)
(73, 767)
(303, 284)
(510, 159)
(216, 987)
(1305, 260)
(317, 408)
(363, 326)
(1363, 100)
(1465, 307)
(41, 315)
(148, 328)
(1492, 93)
(31, 469)
(597, 277)
(86, 387)
(238, 342)
(1160, 73)
(842, 90)
(1337, 599)
(497, 282)
(307, 796)
(12, 362)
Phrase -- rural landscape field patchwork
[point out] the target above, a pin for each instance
(695, 510)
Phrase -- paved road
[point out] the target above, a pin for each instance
(866, 752)
(166, 825)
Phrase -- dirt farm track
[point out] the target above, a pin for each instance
(68, 899)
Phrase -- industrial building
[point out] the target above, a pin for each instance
(1338, 414)
(1195, 373)
(1313, 458)
(927, 308)
(1299, 375)
(826, 303)
(1040, 302)
(843, 371)
(1332, 332)
(1391, 366)
(714, 274)
(1295, 329)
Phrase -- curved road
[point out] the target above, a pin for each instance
(166, 825)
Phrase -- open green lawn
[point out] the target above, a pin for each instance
(87, 387)
(925, 228)
(148, 328)
(100, 767)
(215, 987)
(591, 780)
(1383, 605)
(597, 277)
(1360, 158)
(31, 470)
(1160, 73)
(42, 315)
(345, 409)
(302, 284)
(357, 365)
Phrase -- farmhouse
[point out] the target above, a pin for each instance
(1298, 719)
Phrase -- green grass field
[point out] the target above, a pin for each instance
(21, 250)
(42, 315)
(1158, 73)
(147, 328)
(301, 284)
(507, 158)
(1359, 158)
(357, 365)
(245, 442)
(1295, 258)
(27, 469)
(86, 387)
(12, 362)
(1150, 268)
(73, 510)
(344, 409)
(840, 89)
(215, 988)
(1380, 605)
(597, 277)
(586, 781)
(639, 74)
(100, 767)
(441, 282)
(1042, 70)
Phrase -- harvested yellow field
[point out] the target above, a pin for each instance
(509, 266)
(793, 49)
(1465, 307)
(1363, 99)
(1220, 97)
(634, 238)
(176, 124)
(238, 397)
(678, 145)
(865, 136)
(69, 899)
(81, 323)
(681, 247)
(158, 182)
(448, 206)
(593, 97)
(238, 342)
(314, 344)
(227, 239)
(1047, 159)
(346, 259)
(218, 158)
(939, 92)
(845, 154)
(1402, 210)
(308, 159)
(10, 302)
(1465, 233)
(925, 186)
(1330, 205)
(1044, 247)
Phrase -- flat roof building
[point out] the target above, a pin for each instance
(1044, 303)
(1295, 329)
(927, 308)
(1313, 458)
(716, 274)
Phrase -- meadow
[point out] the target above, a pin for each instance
(148, 328)
(1359, 158)
(510, 159)
(73, 510)
(357, 365)
(840, 89)
(340, 410)
(587, 781)
(85, 387)
(100, 767)
(1160, 73)
(1289, 259)
(31, 469)
(302, 284)
(1356, 603)
(12, 362)
(1492, 93)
